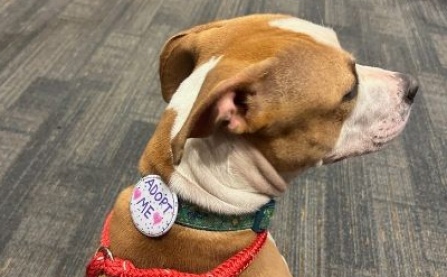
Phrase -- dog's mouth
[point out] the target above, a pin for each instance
(388, 132)
(371, 140)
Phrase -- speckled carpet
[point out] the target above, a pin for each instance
(79, 98)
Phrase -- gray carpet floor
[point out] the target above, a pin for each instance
(79, 98)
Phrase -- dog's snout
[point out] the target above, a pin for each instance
(410, 85)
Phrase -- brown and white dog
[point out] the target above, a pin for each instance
(254, 101)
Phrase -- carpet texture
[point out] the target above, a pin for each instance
(80, 97)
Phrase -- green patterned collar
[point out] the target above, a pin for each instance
(195, 217)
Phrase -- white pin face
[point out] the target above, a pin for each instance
(153, 206)
(183, 99)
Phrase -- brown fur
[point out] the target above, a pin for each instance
(185, 249)
(291, 111)
(304, 71)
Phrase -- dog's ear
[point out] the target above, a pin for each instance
(223, 104)
(179, 57)
(177, 61)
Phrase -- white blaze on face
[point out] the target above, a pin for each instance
(379, 116)
(183, 99)
(319, 33)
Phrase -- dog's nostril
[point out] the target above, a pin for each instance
(412, 89)
(411, 86)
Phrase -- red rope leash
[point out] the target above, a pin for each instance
(103, 263)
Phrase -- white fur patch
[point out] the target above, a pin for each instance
(270, 237)
(319, 33)
(379, 116)
(183, 99)
(225, 174)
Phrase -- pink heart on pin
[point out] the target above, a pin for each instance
(136, 193)
(157, 218)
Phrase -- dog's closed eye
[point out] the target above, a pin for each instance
(351, 94)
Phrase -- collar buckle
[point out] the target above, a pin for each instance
(262, 219)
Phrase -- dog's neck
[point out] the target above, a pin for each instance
(225, 174)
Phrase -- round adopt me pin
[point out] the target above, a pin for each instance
(153, 206)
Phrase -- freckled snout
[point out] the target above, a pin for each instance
(411, 86)
(381, 112)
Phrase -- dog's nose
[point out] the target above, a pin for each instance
(411, 86)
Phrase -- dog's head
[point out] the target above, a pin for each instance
(283, 84)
